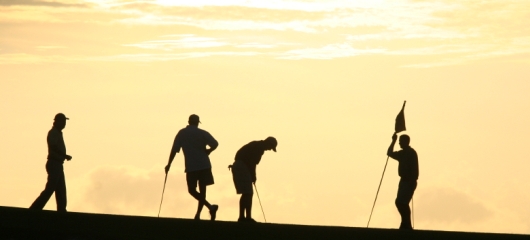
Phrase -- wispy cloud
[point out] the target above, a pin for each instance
(167, 57)
(454, 32)
(191, 41)
(328, 52)
(24, 58)
(50, 47)
(41, 3)
(179, 42)
(224, 12)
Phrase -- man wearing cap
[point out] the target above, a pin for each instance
(408, 170)
(244, 173)
(54, 167)
(198, 168)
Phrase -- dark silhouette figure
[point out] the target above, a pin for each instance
(198, 168)
(244, 173)
(54, 167)
(408, 171)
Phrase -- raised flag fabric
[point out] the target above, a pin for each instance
(400, 120)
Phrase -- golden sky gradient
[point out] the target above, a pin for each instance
(325, 77)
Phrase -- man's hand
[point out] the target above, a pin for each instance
(208, 151)
(394, 137)
(167, 168)
(68, 157)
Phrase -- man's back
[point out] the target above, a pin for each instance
(408, 163)
(251, 153)
(56, 146)
(193, 142)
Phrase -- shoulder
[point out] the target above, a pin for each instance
(204, 133)
(254, 144)
(247, 146)
(180, 132)
(53, 135)
(411, 150)
(54, 132)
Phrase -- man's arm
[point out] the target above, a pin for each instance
(390, 150)
(252, 169)
(54, 143)
(211, 142)
(174, 150)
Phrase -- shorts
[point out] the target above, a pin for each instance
(242, 178)
(406, 191)
(203, 177)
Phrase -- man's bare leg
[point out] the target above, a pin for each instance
(202, 193)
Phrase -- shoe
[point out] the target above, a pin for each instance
(405, 227)
(213, 212)
(250, 220)
(241, 220)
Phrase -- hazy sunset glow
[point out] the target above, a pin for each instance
(325, 77)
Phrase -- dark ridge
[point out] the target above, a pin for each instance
(19, 223)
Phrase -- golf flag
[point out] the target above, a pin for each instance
(400, 120)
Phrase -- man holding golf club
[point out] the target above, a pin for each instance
(408, 171)
(198, 168)
(244, 173)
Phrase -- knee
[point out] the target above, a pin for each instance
(192, 191)
(400, 204)
(246, 196)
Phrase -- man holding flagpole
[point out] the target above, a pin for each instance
(408, 171)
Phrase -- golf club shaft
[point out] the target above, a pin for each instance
(163, 190)
(257, 193)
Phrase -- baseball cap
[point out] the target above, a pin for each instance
(272, 141)
(194, 118)
(60, 116)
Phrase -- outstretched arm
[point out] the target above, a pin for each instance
(174, 150)
(391, 147)
(171, 157)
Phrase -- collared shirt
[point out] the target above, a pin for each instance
(251, 155)
(408, 163)
(56, 146)
(193, 142)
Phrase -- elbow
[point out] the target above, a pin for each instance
(214, 146)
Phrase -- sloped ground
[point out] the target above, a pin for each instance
(18, 223)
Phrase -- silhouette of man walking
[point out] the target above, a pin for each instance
(198, 168)
(244, 173)
(408, 171)
(54, 167)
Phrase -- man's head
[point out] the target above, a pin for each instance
(60, 121)
(404, 141)
(270, 143)
(194, 120)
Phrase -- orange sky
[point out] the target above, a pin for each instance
(326, 78)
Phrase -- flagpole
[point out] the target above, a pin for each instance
(398, 127)
(384, 169)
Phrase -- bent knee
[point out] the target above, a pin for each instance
(247, 194)
(401, 203)
(192, 190)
